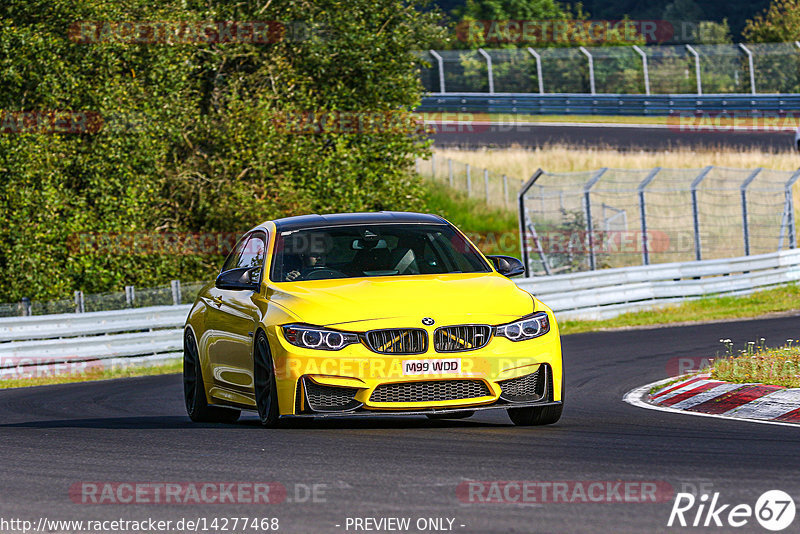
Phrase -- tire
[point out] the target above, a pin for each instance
(266, 391)
(194, 392)
(451, 415)
(536, 415)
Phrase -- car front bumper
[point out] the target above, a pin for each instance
(357, 372)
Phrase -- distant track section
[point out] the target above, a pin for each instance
(617, 136)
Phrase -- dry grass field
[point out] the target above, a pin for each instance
(669, 208)
(522, 162)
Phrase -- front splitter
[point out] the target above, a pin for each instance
(427, 411)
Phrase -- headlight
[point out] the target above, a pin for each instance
(310, 337)
(530, 327)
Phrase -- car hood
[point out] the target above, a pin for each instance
(380, 302)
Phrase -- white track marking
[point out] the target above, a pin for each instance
(769, 406)
(634, 397)
(685, 388)
(706, 395)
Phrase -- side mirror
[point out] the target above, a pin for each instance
(239, 278)
(507, 266)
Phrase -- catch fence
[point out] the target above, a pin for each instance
(495, 189)
(579, 221)
(658, 69)
(175, 294)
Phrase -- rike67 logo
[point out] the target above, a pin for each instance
(774, 510)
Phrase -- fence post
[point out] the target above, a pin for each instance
(416, 165)
(522, 219)
(644, 69)
(441, 69)
(130, 295)
(433, 166)
(591, 67)
(176, 292)
(469, 181)
(536, 55)
(696, 213)
(588, 209)
(790, 209)
(505, 190)
(79, 304)
(643, 213)
(538, 244)
(745, 223)
(26, 307)
(450, 170)
(541, 199)
(488, 69)
(486, 183)
(696, 68)
(750, 67)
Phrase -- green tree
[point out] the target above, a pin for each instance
(192, 137)
(780, 23)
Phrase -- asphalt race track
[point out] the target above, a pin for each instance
(618, 137)
(135, 430)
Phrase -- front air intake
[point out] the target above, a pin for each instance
(525, 388)
(461, 338)
(398, 341)
(430, 391)
(322, 398)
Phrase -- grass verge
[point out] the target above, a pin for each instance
(779, 299)
(493, 230)
(758, 363)
(91, 375)
(665, 385)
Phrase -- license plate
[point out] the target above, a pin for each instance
(431, 367)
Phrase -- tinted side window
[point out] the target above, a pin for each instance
(252, 255)
(233, 258)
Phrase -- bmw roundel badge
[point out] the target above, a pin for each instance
(427, 321)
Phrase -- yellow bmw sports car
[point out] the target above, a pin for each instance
(369, 314)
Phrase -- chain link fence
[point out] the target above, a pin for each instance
(495, 189)
(604, 218)
(659, 69)
(172, 295)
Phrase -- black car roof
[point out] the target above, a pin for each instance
(301, 222)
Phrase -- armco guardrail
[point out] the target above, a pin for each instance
(155, 333)
(95, 347)
(608, 104)
(606, 293)
(142, 335)
(85, 324)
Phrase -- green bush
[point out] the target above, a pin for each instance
(190, 140)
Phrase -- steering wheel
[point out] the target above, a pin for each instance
(319, 273)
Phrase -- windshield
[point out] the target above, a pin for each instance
(373, 250)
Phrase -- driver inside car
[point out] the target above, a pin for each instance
(311, 260)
